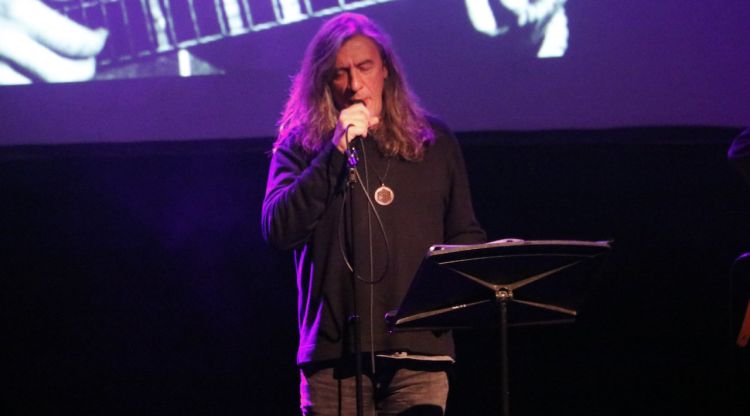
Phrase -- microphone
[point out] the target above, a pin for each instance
(352, 156)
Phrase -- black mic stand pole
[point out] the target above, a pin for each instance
(354, 319)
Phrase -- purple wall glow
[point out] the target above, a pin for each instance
(628, 63)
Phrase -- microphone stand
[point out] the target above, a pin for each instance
(354, 318)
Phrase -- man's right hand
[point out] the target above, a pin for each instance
(37, 42)
(359, 120)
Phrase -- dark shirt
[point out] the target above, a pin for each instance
(303, 211)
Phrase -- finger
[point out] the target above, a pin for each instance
(357, 120)
(373, 121)
(37, 60)
(342, 136)
(9, 76)
(355, 130)
(360, 108)
(356, 110)
(354, 119)
(56, 31)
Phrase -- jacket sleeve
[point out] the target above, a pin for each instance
(298, 192)
(739, 154)
(461, 225)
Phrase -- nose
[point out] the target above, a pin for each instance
(355, 81)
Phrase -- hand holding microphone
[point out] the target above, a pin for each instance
(358, 119)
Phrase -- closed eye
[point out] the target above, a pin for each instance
(366, 65)
(341, 74)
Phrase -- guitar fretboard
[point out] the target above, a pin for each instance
(141, 28)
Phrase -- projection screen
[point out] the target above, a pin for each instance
(140, 70)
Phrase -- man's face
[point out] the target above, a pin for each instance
(360, 75)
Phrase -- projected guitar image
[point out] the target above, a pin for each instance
(77, 40)
(73, 40)
(165, 30)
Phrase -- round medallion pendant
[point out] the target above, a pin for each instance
(384, 195)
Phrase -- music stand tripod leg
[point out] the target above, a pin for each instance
(502, 297)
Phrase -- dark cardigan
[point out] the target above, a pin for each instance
(303, 211)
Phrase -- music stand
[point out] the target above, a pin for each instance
(502, 283)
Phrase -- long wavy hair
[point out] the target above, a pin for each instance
(310, 114)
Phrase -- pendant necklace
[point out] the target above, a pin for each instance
(383, 195)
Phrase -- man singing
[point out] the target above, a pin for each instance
(410, 192)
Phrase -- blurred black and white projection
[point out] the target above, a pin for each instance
(543, 20)
(80, 40)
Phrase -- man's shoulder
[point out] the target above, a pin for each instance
(289, 136)
(439, 126)
(444, 137)
(290, 140)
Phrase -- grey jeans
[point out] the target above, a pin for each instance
(393, 390)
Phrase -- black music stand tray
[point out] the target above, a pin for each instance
(497, 284)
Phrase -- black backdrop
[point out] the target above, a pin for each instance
(135, 280)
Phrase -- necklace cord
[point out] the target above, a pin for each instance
(374, 209)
